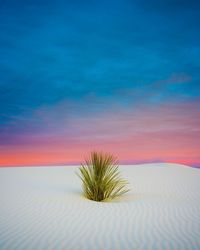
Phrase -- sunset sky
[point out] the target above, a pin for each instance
(116, 76)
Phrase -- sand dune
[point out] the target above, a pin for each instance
(42, 208)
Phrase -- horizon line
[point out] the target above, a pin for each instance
(194, 165)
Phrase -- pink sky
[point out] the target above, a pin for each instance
(165, 133)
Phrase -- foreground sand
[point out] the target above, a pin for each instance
(42, 208)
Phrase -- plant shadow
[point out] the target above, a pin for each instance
(135, 197)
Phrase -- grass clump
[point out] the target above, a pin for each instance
(100, 177)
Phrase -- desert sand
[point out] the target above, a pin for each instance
(43, 208)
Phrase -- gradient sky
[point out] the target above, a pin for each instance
(119, 76)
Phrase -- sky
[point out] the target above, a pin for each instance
(121, 77)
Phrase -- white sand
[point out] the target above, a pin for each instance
(42, 208)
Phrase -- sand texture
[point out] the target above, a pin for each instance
(42, 208)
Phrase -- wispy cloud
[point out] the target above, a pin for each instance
(170, 131)
(122, 76)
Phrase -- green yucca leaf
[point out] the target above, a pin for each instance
(101, 178)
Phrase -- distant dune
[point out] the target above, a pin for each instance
(43, 208)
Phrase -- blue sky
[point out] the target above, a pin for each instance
(95, 54)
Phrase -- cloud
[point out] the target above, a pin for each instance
(174, 79)
(77, 76)
(169, 132)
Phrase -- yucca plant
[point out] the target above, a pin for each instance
(100, 177)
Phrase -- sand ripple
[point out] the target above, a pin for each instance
(42, 208)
